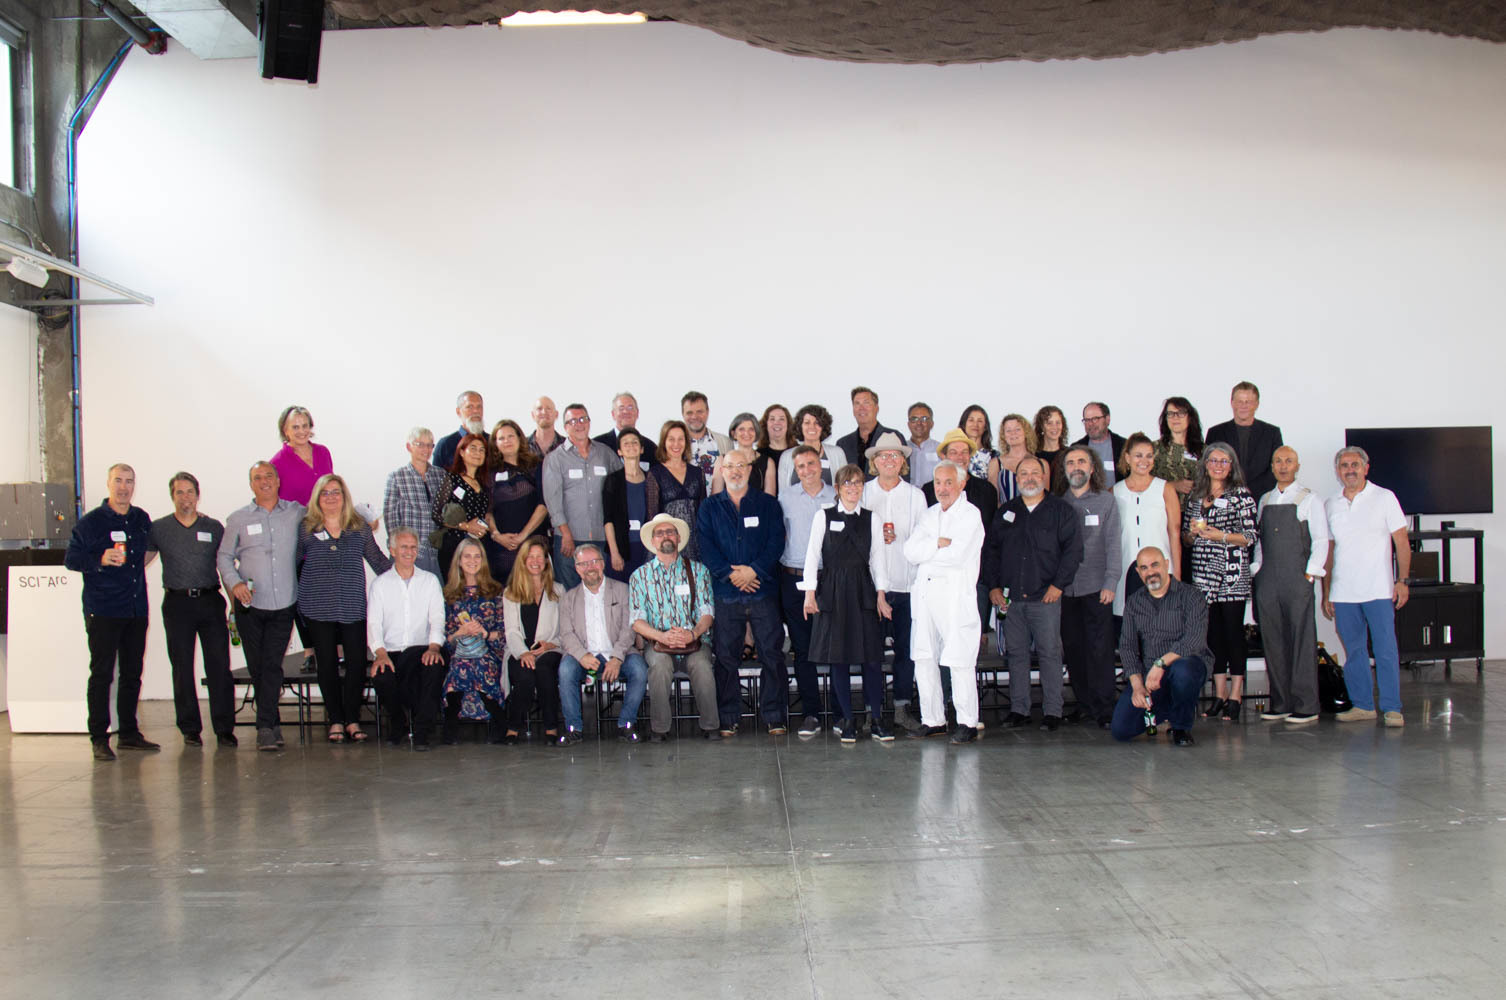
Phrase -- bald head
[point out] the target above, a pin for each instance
(1284, 466)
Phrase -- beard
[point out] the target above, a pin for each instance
(475, 426)
(1031, 492)
(668, 547)
(1077, 480)
(1155, 583)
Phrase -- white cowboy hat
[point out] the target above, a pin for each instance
(646, 533)
(888, 441)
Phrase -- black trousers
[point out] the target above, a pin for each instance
(542, 683)
(1226, 637)
(186, 620)
(411, 690)
(1088, 648)
(264, 637)
(112, 641)
(342, 696)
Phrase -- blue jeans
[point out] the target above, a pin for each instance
(1175, 702)
(634, 674)
(899, 628)
(1378, 618)
(768, 637)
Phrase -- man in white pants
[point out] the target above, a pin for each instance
(945, 548)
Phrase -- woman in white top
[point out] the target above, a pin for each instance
(1148, 507)
(813, 425)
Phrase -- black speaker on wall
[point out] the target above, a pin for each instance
(289, 35)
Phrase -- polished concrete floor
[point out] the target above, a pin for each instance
(1332, 861)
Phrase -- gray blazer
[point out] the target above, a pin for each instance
(549, 623)
(619, 626)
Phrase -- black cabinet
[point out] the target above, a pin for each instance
(1445, 620)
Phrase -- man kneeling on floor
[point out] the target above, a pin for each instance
(1166, 623)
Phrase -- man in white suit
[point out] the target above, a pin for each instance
(945, 548)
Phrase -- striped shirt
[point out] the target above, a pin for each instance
(1175, 623)
(332, 586)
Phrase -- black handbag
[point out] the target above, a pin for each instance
(1333, 693)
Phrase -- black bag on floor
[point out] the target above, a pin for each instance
(1333, 693)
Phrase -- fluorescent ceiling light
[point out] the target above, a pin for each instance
(540, 18)
(23, 258)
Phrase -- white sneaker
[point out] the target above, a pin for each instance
(1275, 716)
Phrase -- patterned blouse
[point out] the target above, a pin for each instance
(1172, 462)
(455, 489)
(977, 466)
(1222, 572)
(475, 661)
(654, 597)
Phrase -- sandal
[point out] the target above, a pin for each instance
(336, 734)
(356, 734)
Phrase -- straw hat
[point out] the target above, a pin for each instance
(888, 441)
(956, 434)
(647, 531)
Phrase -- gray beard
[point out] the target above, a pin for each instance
(475, 427)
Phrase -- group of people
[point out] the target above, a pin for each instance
(521, 566)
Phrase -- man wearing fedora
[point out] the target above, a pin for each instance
(900, 507)
(670, 604)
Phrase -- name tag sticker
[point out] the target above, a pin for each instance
(253, 529)
(323, 536)
(1108, 465)
(459, 493)
(643, 465)
(634, 524)
(682, 589)
(1091, 520)
(502, 476)
(825, 463)
(1009, 515)
(205, 536)
(599, 470)
(117, 536)
(835, 526)
(1188, 456)
(577, 473)
(1221, 502)
(750, 522)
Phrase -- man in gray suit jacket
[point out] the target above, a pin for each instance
(597, 637)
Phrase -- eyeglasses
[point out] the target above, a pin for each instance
(1175, 413)
(330, 493)
(735, 465)
(573, 421)
(921, 420)
(1093, 420)
(589, 561)
(1215, 460)
(667, 533)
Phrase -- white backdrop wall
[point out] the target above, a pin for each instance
(20, 457)
(656, 208)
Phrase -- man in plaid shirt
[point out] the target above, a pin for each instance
(408, 500)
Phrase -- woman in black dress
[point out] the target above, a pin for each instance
(844, 589)
(465, 487)
(775, 437)
(518, 510)
(624, 498)
(676, 486)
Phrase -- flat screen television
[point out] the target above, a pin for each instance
(1432, 470)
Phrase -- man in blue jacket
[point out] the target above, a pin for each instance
(109, 547)
(741, 535)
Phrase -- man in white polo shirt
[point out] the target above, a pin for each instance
(1360, 593)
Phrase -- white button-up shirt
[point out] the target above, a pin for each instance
(902, 507)
(597, 639)
(402, 613)
(1361, 530)
(818, 538)
(1306, 500)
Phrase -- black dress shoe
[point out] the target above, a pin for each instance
(964, 734)
(136, 742)
(1050, 723)
(712, 735)
(509, 739)
(569, 738)
(658, 737)
(227, 740)
(1074, 716)
(628, 734)
(926, 732)
(421, 746)
(193, 740)
(1016, 720)
(1214, 709)
(1181, 738)
(102, 750)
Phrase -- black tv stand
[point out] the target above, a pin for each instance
(1445, 620)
